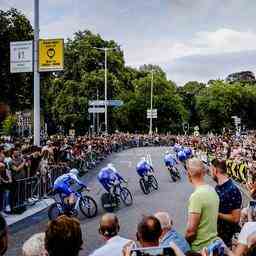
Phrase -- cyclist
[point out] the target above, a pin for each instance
(143, 168)
(108, 176)
(62, 186)
(169, 160)
(188, 152)
(181, 155)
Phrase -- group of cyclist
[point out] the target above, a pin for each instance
(109, 176)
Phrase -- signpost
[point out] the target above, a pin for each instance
(152, 114)
(185, 127)
(21, 56)
(96, 110)
(51, 55)
(237, 122)
(111, 103)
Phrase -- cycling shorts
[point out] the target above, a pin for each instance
(63, 188)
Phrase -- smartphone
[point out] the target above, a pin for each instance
(253, 204)
(153, 251)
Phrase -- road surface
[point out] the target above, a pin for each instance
(171, 197)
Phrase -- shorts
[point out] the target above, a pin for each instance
(63, 189)
(170, 163)
(142, 172)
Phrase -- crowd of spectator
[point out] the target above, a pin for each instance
(215, 215)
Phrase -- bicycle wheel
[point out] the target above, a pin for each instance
(171, 171)
(54, 212)
(88, 206)
(108, 202)
(126, 196)
(144, 186)
(176, 173)
(154, 183)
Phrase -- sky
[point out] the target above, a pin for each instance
(190, 39)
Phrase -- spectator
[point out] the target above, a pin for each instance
(109, 228)
(34, 246)
(248, 229)
(63, 237)
(170, 234)
(5, 186)
(230, 202)
(3, 236)
(149, 232)
(202, 209)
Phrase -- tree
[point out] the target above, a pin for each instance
(217, 104)
(9, 125)
(171, 112)
(16, 89)
(188, 93)
(242, 77)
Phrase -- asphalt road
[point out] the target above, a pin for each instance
(171, 197)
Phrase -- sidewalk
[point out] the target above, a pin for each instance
(38, 207)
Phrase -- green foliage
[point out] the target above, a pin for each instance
(9, 125)
(65, 95)
(16, 89)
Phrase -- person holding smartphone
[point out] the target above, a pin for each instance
(148, 234)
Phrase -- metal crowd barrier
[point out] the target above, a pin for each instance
(28, 191)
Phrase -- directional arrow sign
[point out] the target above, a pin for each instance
(112, 103)
(96, 102)
(115, 103)
(96, 110)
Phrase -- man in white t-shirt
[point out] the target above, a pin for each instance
(248, 229)
(109, 228)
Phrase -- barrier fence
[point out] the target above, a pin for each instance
(26, 192)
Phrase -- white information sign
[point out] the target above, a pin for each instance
(96, 110)
(21, 56)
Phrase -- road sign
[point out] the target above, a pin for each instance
(154, 111)
(21, 56)
(96, 102)
(112, 103)
(72, 132)
(96, 110)
(153, 116)
(115, 103)
(51, 55)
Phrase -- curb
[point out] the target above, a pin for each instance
(37, 208)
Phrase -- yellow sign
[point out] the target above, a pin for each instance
(51, 55)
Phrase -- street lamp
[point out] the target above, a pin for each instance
(36, 76)
(105, 49)
(151, 102)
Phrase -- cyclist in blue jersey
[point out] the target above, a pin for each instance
(171, 162)
(144, 168)
(109, 176)
(62, 186)
(188, 152)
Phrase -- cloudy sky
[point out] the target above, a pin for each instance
(189, 39)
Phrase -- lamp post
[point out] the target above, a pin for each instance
(105, 49)
(36, 76)
(151, 103)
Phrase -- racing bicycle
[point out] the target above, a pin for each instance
(174, 172)
(118, 193)
(148, 183)
(85, 203)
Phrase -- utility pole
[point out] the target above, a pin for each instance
(105, 49)
(36, 76)
(151, 103)
(98, 120)
(106, 91)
